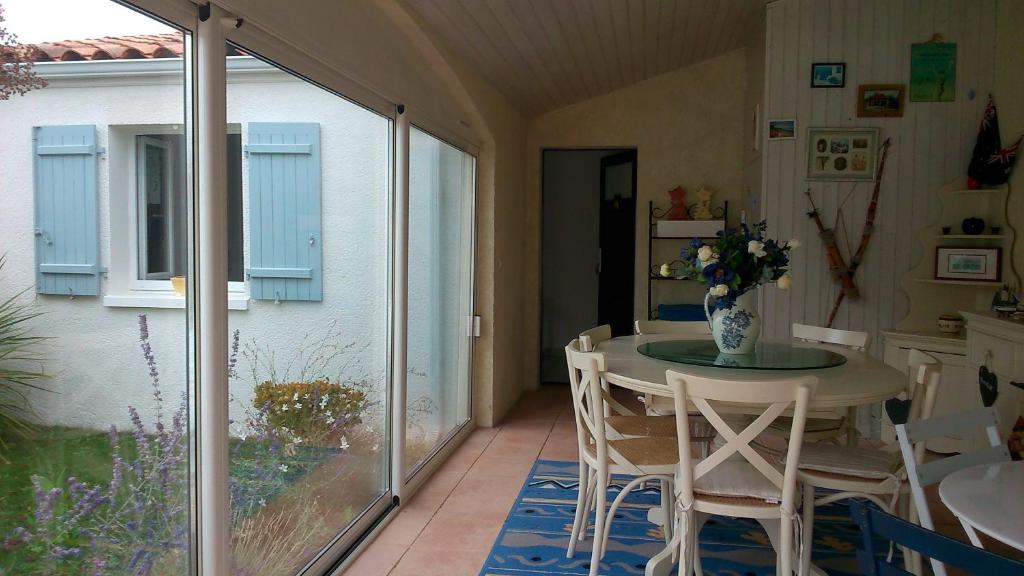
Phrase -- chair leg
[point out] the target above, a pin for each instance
(699, 521)
(591, 493)
(599, 522)
(807, 536)
(666, 507)
(582, 509)
(785, 551)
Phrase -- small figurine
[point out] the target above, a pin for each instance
(702, 209)
(678, 209)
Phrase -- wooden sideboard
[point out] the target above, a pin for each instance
(987, 340)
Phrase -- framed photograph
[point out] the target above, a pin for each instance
(880, 101)
(784, 129)
(842, 153)
(969, 263)
(933, 72)
(828, 74)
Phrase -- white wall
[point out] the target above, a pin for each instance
(931, 143)
(96, 367)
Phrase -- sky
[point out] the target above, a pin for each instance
(50, 20)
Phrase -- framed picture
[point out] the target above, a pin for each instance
(784, 129)
(842, 153)
(880, 101)
(933, 72)
(969, 263)
(828, 74)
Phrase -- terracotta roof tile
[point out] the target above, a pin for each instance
(144, 46)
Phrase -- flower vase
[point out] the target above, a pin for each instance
(735, 329)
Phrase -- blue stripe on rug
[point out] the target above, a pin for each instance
(536, 534)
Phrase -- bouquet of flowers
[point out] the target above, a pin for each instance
(737, 261)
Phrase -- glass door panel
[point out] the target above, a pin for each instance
(310, 448)
(94, 386)
(441, 188)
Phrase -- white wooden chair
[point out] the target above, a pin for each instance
(660, 405)
(589, 339)
(642, 327)
(735, 480)
(826, 425)
(645, 458)
(875, 474)
(912, 437)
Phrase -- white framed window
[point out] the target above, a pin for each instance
(157, 207)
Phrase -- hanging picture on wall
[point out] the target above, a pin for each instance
(933, 72)
(842, 153)
(880, 101)
(828, 75)
(968, 263)
(784, 129)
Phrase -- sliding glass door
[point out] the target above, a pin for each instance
(310, 450)
(440, 330)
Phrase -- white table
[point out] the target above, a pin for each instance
(862, 380)
(988, 498)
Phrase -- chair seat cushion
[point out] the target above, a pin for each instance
(658, 426)
(736, 479)
(858, 462)
(785, 423)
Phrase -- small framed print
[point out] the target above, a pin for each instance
(784, 129)
(842, 153)
(969, 263)
(880, 101)
(828, 74)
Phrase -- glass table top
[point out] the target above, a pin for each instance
(766, 355)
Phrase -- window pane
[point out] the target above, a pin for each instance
(309, 392)
(440, 292)
(94, 398)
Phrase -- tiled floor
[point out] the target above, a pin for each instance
(449, 526)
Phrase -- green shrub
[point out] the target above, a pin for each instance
(317, 412)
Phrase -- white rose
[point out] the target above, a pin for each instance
(666, 270)
(785, 281)
(793, 244)
(719, 290)
(756, 247)
(705, 254)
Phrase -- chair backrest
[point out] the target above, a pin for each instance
(671, 327)
(589, 339)
(848, 338)
(875, 523)
(587, 399)
(913, 435)
(777, 395)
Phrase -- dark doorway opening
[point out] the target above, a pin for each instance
(588, 248)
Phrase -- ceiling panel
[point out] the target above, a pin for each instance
(545, 54)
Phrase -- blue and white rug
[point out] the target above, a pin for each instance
(537, 530)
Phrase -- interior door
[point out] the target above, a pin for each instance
(617, 242)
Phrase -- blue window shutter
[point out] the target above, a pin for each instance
(67, 242)
(284, 211)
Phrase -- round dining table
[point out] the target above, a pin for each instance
(988, 499)
(860, 380)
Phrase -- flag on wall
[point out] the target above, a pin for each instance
(991, 163)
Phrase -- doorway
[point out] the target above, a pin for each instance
(588, 248)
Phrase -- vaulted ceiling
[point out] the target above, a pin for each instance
(545, 54)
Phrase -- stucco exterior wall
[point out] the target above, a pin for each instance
(94, 359)
(687, 127)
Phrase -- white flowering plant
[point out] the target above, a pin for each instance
(739, 260)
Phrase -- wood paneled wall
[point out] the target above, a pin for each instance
(931, 144)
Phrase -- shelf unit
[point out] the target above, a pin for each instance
(652, 273)
(930, 296)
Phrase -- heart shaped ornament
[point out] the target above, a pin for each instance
(898, 410)
(988, 384)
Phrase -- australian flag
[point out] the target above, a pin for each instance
(990, 162)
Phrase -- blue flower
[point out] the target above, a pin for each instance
(717, 273)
